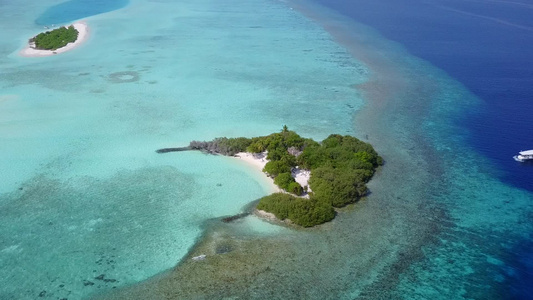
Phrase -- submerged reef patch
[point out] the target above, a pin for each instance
(123, 77)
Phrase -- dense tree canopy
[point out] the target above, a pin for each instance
(55, 39)
(301, 211)
(337, 187)
(275, 167)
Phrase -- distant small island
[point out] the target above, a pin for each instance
(56, 41)
(339, 168)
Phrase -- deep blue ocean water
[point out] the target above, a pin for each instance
(77, 9)
(486, 45)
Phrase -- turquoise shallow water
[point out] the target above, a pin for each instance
(85, 194)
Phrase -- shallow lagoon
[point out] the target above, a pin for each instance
(87, 195)
(85, 184)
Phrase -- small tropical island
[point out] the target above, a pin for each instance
(338, 169)
(56, 41)
(57, 38)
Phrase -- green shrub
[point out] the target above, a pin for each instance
(256, 146)
(283, 180)
(312, 157)
(235, 145)
(292, 139)
(301, 211)
(295, 188)
(332, 141)
(336, 186)
(276, 151)
(356, 164)
(289, 160)
(277, 203)
(315, 213)
(275, 167)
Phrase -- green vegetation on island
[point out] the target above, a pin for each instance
(340, 168)
(302, 211)
(55, 39)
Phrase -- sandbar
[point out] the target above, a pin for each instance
(83, 34)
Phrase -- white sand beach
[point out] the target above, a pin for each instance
(302, 177)
(83, 34)
(259, 160)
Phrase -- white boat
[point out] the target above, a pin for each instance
(524, 155)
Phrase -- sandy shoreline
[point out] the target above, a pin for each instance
(83, 34)
(259, 160)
